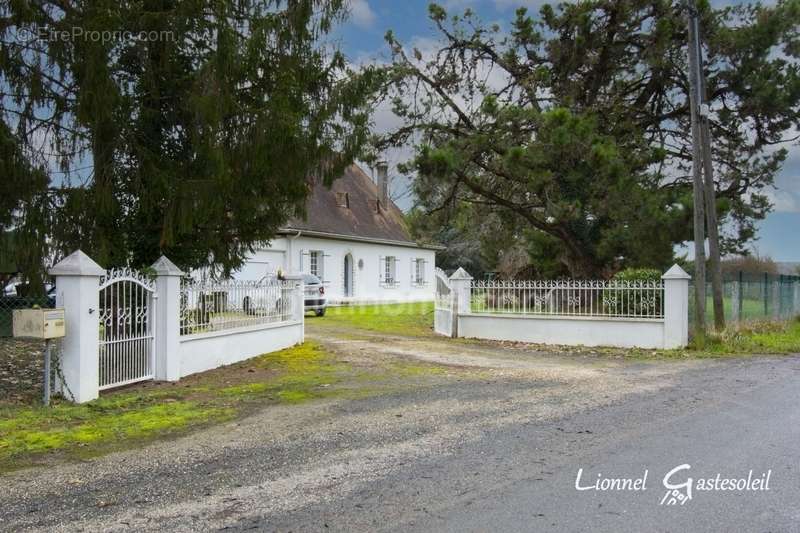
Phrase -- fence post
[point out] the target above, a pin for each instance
(299, 303)
(796, 298)
(736, 301)
(676, 307)
(167, 319)
(77, 287)
(461, 285)
(740, 302)
(776, 298)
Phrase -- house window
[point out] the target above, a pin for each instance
(343, 199)
(315, 263)
(389, 277)
(419, 271)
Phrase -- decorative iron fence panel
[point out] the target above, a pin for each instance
(127, 328)
(614, 298)
(220, 305)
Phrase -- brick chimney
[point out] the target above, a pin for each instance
(382, 174)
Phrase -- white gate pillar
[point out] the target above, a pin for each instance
(676, 307)
(168, 320)
(461, 285)
(299, 299)
(77, 287)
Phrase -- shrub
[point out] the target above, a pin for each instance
(643, 302)
(634, 274)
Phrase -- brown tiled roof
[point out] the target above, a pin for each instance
(361, 219)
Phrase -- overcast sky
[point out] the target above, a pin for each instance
(362, 40)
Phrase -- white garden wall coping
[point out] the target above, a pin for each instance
(565, 317)
(236, 331)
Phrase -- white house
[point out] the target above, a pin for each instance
(355, 240)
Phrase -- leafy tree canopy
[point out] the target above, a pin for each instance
(576, 122)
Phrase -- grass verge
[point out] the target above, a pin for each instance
(746, 339)
(133, 417)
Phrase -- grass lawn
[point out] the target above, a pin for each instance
(751, 309)
(132, 417)
(414, 319)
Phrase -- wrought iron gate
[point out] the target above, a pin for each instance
(444, 320)
(127, 324)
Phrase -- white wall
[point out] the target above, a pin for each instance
(576, 331)
(262, 263)
(205, 351)
(367, 286)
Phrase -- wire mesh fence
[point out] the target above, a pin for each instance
(9, 303)
(749, 297)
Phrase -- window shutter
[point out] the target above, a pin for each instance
(413, 265)
(395, 281)
(302, 265)
(321, 265)
(381, 269)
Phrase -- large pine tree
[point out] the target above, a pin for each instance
(575, 121)
(187, 128)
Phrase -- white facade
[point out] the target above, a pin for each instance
(353, 269)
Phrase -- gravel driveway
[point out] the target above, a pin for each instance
(382, 462)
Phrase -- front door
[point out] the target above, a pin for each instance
(348, 275)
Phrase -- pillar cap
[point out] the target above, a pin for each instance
(164, 267)
(676, 272)
(460, 274)
(77, 264)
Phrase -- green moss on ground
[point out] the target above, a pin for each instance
(100, 424)
(124, 419)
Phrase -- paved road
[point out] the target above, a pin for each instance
(494, 454)
(729, 419)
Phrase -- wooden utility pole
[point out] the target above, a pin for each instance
(712, 224)
(697, 181)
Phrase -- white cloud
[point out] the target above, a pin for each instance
(786, 193)
(361, 14)
(784, 201)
